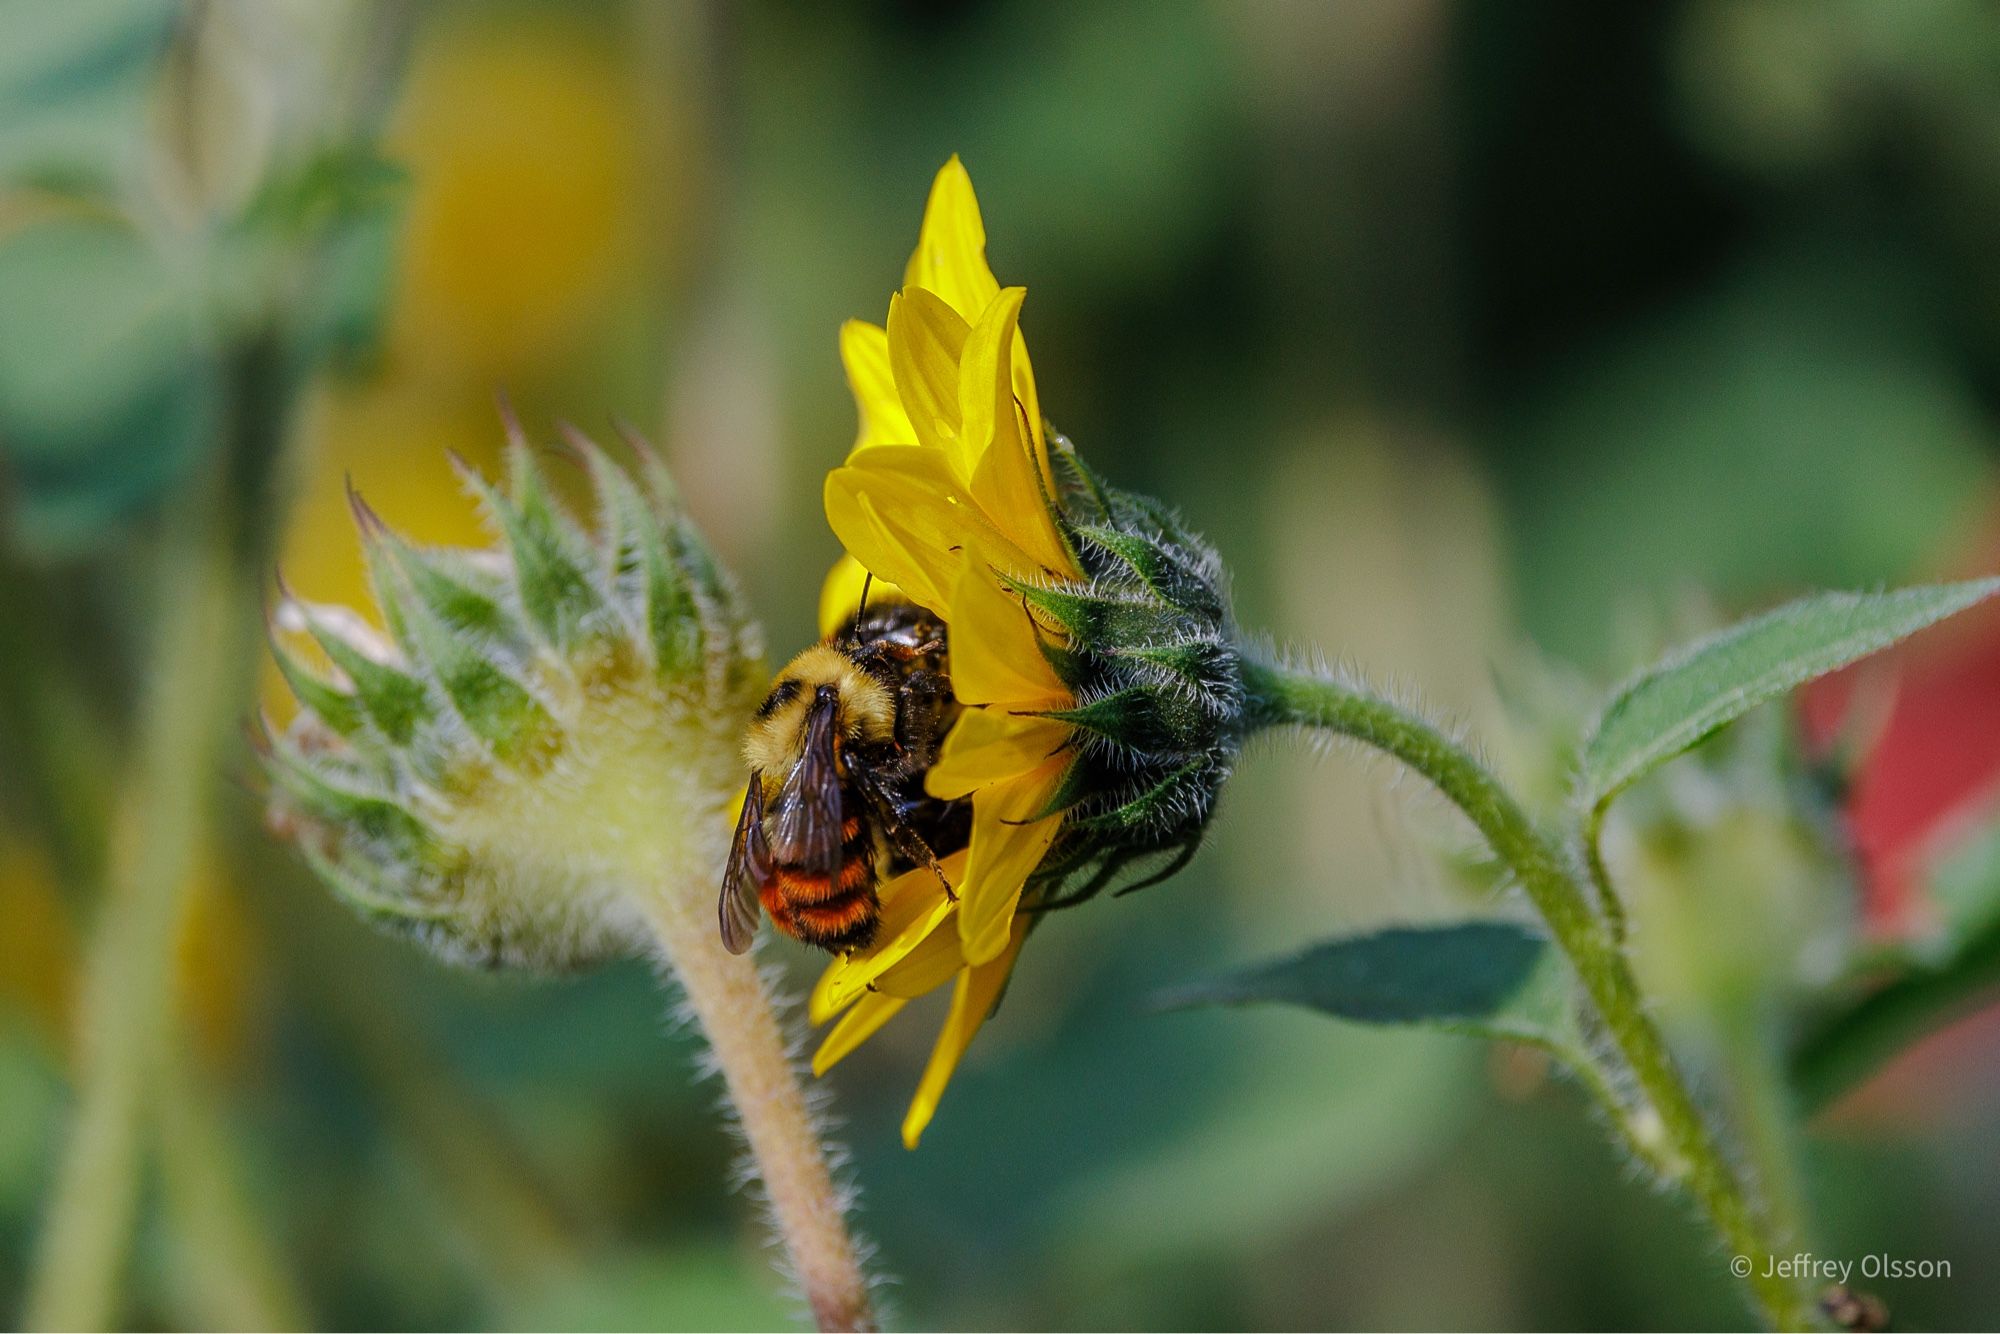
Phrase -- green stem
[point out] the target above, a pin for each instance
(1600, 874)
(1284, 696)
(1629, 1123)
(124, 1021)
(1766, 1113)
(224, 1257)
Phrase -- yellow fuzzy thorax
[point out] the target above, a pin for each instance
(774, 742)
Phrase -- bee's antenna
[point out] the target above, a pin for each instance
(867, 581)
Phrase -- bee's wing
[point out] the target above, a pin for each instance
(749, 867)
(806, 815)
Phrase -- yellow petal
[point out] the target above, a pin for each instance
(1031, 407)
(926, 339)
(996, 653)
(924, 969)
(978, 989)
(1006, 475)
(913, 906)
(1007, 485)
(1008, 843)
(864, 350)
(990, 746)
(855, 1027)
(985, 381)
(992, 456)
(899, 510)
(950, 258)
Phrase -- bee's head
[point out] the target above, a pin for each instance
(819, 678)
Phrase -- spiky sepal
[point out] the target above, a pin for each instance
(544, 724)
(1148, 646)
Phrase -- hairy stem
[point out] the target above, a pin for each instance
(1282, 696)
(735, 1010)
(1766, 1113)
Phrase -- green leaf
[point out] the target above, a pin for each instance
(498, 708)
(107, 378)
(74, 80)
(1493, 979)
(550, 559)
(639, 559)
(1168, 574)
(341, 801)
(463, 598)
(1141, 717)
(343, 209)
(1095, 618)
(1687, 697)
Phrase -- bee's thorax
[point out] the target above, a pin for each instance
(867, 710)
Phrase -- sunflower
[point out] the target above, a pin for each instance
(946, 495)
(1085, 634)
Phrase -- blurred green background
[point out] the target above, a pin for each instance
(1459, 327)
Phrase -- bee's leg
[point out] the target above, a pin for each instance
(904, 839)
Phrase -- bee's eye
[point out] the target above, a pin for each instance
(781, 694)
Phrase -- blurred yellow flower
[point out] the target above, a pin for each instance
(525, 169)
(38, 948)
(948, 495)
(528, 214)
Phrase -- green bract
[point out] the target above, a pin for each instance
(1152, 659)
(544, 726)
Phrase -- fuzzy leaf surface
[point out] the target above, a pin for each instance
(1688, 696)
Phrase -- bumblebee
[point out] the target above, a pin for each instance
(837, 754)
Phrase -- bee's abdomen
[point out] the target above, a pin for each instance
(834, 912)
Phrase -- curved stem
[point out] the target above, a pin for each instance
(729, 999)
(1281, 696)
(1600, 874)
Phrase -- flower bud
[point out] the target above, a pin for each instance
(545, 724)
(1149, 651)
